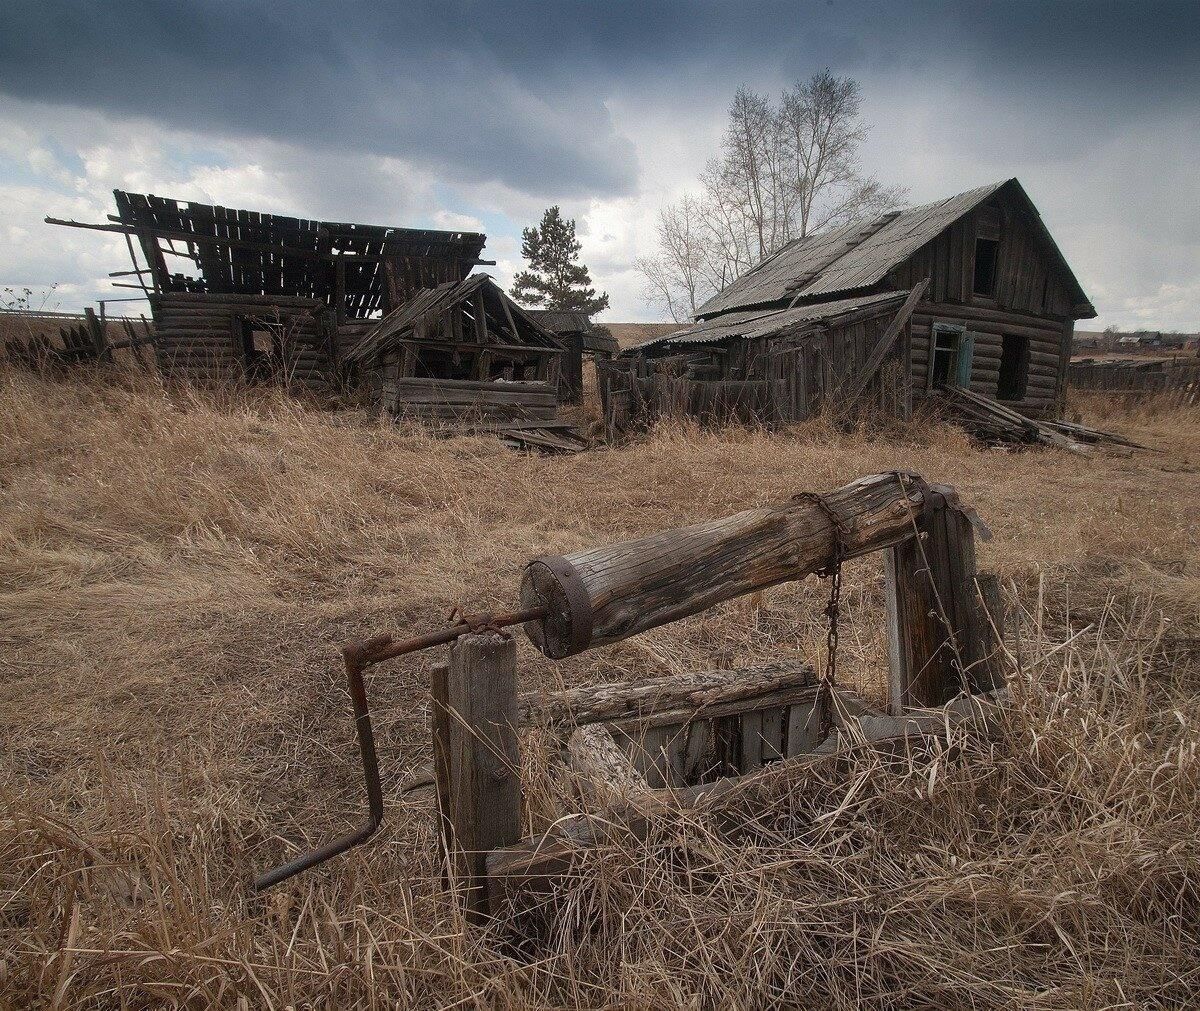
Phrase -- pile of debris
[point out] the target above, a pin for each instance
(993, 423)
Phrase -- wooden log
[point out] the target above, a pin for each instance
(945, 313)
(606, 594)
(604, 773)
(483, 760)
(674, 699)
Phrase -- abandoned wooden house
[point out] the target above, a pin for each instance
(970, 291)
(461, 351)
(581, 338)
(242, 294)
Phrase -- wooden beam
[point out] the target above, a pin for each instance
(880, 351)
(603, 772)
(939, 638)
(609, 593)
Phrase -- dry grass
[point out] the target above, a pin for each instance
(177, 571)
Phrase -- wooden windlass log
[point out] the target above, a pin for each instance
(602, 595)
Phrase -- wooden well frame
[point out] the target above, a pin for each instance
(665, 742)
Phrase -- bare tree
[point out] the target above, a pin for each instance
(783, 173)
(680, 278)
(821, 129)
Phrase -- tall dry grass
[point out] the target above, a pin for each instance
(177, 571)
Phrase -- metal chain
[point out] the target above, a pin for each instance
(833, 571)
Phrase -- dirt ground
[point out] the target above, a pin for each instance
(178, 571)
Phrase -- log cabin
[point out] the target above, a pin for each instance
(996, 310)
(239, 294)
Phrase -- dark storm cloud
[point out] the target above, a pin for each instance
(480, 92)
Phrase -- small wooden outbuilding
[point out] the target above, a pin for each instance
(580, 337)
(462, 351)
(995, 311)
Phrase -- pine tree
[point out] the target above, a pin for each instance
(555, 279)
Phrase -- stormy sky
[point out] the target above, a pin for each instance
(479, 115)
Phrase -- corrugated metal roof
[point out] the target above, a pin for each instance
(858, 255)
(762, 322)
(562, 320)
(569, 321)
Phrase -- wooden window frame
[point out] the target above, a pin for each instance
(958, 330)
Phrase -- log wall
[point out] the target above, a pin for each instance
(1049, 342)
(199, 335)
(458, 400)
(1030, 300)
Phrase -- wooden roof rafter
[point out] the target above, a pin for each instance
(421, 318)
(248, 252)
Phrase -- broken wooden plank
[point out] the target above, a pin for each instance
(881, 349)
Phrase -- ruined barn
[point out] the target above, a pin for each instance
(979, 296)
(254, 296)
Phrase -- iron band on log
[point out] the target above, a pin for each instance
(606, 594)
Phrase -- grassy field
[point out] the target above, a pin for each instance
(178, 571)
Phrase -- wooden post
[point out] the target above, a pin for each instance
(439, 719)
(475, 749)
(95, 326)
(993, 618)
(937, 644)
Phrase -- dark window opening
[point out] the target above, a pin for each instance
(945, 358)
(262, 349)
(1014, 368)
(987, 252)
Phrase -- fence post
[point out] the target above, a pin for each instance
(96, 328)
(476, 760)
(937, 626)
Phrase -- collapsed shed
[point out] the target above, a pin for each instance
(994, 315)
(463, 350)
(243, 294)
(761, 366)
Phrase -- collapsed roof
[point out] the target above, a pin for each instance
(231, 251)
(859, 255)
(491, 319)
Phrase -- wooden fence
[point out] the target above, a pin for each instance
(630, 400)
(82, 338)
(1175, 383)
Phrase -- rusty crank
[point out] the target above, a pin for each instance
(359, 656)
